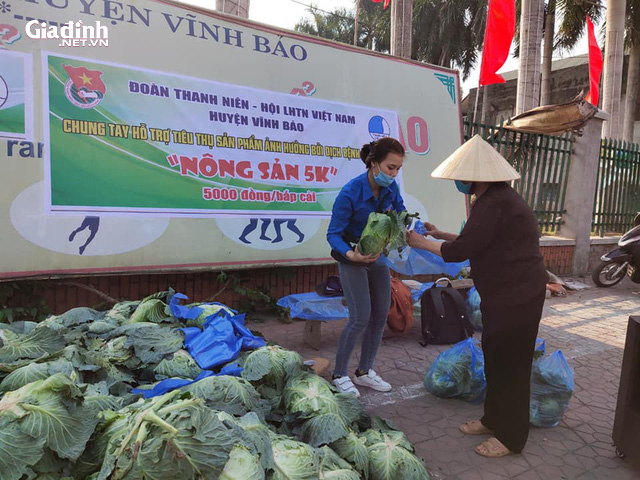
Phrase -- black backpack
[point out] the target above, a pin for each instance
(444, 316)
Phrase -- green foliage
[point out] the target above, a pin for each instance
(21, 301)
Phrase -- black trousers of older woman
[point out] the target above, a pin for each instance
(508, 342)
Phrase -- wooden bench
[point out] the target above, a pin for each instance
(312, 328)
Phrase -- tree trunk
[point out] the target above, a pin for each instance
(486, 105)
(547, 54)
(531, 18)
(239, 8)
(633, 85)
(401, 27)
(613, 63)
(355, 28)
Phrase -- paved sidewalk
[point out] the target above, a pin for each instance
(588, 326)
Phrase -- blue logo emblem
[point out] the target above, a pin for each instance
(379, 127)
(448, 82)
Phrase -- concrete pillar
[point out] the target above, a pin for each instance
(581, 188)
(239, 8)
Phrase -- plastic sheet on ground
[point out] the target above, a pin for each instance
(169, 384)
(311, 306)
(458, 373)
(552, 385)
(413, 261)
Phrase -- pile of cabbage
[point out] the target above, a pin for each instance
(385, 232)
(67, 410)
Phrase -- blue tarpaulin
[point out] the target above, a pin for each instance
(190, 312)
(222, 337)
(220, 341)
(311, 306)
(169, 384)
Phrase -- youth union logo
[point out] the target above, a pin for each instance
(379, 127)
(85, 88)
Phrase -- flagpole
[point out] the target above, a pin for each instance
(484, 42)
(475, 109)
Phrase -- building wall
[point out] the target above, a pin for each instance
(64, 294)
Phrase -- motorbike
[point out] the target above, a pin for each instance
(624, 260)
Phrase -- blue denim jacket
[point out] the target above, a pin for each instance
(352, 207)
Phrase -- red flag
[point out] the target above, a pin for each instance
(501, 26)
(595, 66)
(386, 3)
(82, 77)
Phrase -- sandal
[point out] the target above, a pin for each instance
(493, 448)
(474, 427)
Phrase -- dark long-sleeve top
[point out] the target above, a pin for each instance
(501, 241)
(352, 207)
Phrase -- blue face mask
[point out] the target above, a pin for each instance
(466, 188)
(383, 179)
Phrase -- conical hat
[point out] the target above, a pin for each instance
(476, 161)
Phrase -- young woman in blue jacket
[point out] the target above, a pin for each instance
(366, 280)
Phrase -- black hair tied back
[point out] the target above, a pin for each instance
(367, 153)
(376, 152)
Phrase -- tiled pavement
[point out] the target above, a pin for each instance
(588, 326)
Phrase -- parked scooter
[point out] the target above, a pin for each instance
(623, 260)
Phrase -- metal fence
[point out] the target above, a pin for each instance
(617, 197)
(543, 162)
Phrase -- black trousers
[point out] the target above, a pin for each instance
(508, 341)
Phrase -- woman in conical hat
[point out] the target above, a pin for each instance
(501, 240)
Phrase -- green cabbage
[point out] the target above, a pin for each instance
(353, 449)
(269, 368)
(334, 468)
(391, 457)
(180, 365)
(294, 460)
(384, 232)
(458, 372)
(242, 465)
(233, 395)
(167, 437)
(45, 417)
(272, 365)
(327, 414)
(552, 386)
(207, 311)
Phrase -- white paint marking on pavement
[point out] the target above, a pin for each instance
(406, 392)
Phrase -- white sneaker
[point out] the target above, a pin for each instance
(345, 385)
(372, 380)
